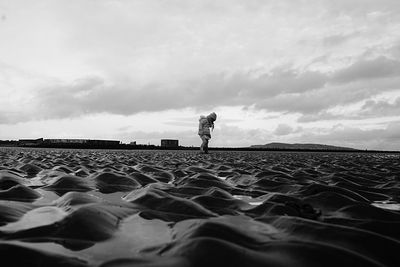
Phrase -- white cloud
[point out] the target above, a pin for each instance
(383, 105)
(380, 67)
(283, 129)
(386, 138)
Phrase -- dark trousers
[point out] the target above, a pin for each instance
(204, 144)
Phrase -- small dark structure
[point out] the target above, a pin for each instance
(169, 143)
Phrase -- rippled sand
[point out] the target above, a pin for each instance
(180, 208)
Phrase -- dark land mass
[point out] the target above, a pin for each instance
(303, 147)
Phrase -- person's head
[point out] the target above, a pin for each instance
(212, 117)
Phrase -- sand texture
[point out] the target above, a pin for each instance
(181, 208)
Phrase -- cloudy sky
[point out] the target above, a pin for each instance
(317, 71)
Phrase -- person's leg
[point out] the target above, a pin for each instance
(206, 147)
(204, 143)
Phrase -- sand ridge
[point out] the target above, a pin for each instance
(61, 207)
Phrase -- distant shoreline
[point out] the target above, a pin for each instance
(156, 147)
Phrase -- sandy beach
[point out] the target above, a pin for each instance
(180, 208)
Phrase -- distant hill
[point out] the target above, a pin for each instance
(301, 147)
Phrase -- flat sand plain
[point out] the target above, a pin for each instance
(180, 208)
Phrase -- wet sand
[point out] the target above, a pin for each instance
(180, 208)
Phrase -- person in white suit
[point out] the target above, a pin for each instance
(205, 123)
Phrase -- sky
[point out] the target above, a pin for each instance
(294, 71)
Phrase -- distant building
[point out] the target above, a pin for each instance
(170, 143)
(103, 142)
(89, 142)
(30, 142)
(133, 143)
(66, 141)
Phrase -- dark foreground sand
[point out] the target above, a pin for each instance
(166, 208)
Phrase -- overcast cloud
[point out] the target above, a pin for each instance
(306, 65)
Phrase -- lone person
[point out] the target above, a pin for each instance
(205, 123)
